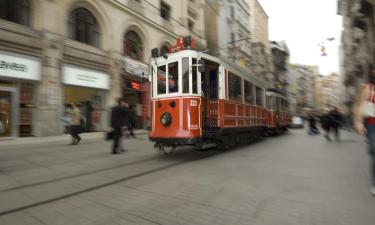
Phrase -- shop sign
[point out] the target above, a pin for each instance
(134, 85)
(79, 76)
(19, 66)
(137, 68)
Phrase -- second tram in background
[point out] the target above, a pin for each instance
(201, 100)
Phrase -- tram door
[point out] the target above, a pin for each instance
(210, 91)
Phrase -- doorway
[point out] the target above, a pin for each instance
(210, 87)
(8, 112)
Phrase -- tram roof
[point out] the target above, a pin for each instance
(228, 65)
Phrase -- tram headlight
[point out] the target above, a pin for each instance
(166, 119)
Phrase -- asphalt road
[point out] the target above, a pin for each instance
(288, 179)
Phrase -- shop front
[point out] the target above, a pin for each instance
(87, 89)
(135, 90)
(19, 76)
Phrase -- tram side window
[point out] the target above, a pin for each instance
(234, 87)
(269, 102)
(249, 92)
(173, 77)
(259, 96)
(278, 104)
(194, 76)
(161, 80)
(274, 103)
(185, 75)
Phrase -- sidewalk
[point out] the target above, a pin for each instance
(59, 138)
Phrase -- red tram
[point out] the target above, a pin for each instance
(202, 100)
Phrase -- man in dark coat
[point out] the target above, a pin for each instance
(336, 120)
(325, 122)
(119, 119)
(131, 120)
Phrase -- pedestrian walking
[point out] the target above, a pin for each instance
(119, 117)
(366, 126)
(336, 121)
(325, 123)
(312, 124)
(75, 124)
(131, 120)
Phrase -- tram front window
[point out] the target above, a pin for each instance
(173, 77)
(161, 80)
(167, 79)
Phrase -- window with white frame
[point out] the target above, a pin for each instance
(259, 93)
(234, 87)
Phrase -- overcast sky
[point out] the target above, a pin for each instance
(303, 24)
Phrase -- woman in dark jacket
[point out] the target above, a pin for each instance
(312, 124)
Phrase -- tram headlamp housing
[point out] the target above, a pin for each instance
(166, 119)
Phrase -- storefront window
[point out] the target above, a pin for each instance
(91, 103)
(5, 113)
(26, 109)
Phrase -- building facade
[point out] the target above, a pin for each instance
(280, 58)
(357, 43)
(302, 87)
(53, 53)
(327, 92)
(260, 46)
(228, 30)
(259, 24)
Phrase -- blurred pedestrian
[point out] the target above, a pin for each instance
(336, 121)
(325, 122)
(119, 118)
(366, 126)
(131, 120)
(348, 122)
(312, 124)
(75, 124)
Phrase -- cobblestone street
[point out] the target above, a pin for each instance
(289, 179)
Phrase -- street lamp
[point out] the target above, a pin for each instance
(323, 47)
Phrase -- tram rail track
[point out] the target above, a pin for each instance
(76, 175)
(166, 164)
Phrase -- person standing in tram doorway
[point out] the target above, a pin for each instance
(119, 117)
(75, 124)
